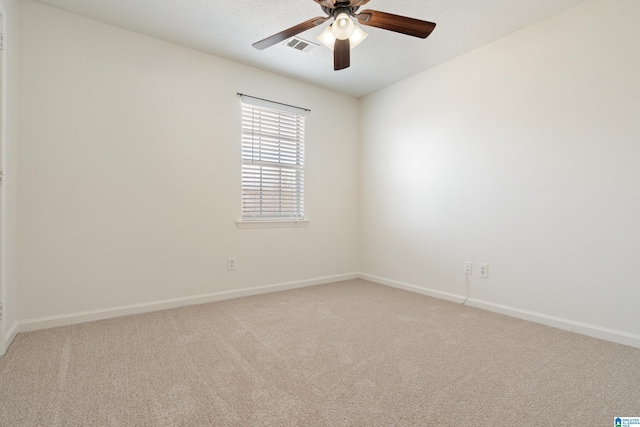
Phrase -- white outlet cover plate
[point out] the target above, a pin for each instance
(484, 270)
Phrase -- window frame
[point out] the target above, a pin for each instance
(273, 165)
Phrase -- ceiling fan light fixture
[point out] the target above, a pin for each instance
(357, 37)
(328, 38)
(343, 26)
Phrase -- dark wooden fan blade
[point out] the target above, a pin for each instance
(290, 32)
(397, 23)
(341, 54)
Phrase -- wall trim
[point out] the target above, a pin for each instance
(594, 331)
(11, 334)
(109, 313)
(412, 288)
(7, 307)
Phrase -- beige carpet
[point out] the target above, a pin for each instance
(346, 354)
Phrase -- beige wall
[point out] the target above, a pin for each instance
(10, 171)
(523, 154)
(129, 182)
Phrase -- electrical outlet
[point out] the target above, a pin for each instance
(231, 263)
(467, 268)
(484, 270)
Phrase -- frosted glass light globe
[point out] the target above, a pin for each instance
(327, 38)
(343, 27)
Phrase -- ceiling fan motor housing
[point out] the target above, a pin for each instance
(341, 7)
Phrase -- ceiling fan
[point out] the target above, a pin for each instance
(344, 34)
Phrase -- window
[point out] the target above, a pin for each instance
(272, 162)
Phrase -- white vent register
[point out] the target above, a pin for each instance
(300, 44)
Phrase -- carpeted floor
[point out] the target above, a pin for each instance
(346, 354)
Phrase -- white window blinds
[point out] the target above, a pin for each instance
(272, 163)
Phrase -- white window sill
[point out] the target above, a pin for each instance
(272, 224)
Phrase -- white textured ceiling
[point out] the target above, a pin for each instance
(228, 28)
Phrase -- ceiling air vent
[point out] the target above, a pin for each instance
(301, 44)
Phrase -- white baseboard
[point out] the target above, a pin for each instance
(606, 334)
(90, 316)
(412, 288)
(594, 331)
(11, 334)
